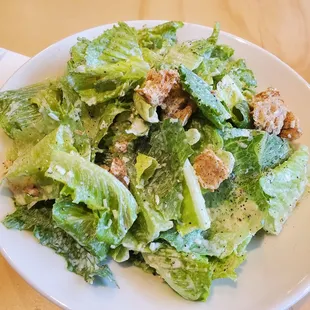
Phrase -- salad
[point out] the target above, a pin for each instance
(155, 152)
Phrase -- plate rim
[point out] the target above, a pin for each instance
(302, 289)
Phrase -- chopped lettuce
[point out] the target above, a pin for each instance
(160, 197)
(222, 52)
(235, 219)
(170, 148)
(107, 67)
(210, 137)
(20, 113)
(160, 36)
(120, 254)
(189, 275)
(209, 105)
(39, 221)
(115, 204)
(194, 214)
(241, 115)
(81, 224)
(182, 54)
(145, 110)
(145, 167)
(74, 138)
(226, 268)
(191, 53)
(229, 92)
(283, 187)
(97, 121)
(26, 176)
(255, 150)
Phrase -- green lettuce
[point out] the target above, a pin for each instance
(283, 187)
(39, 221)
(209, 105)
(26, 176)
(210, 68)
(210, 137)
(145, 110)
(169, 147)
(81, 224)
(235, 219)
(108, 66)
(19, 113)
(255, 150)
(160, 197)
(194, 214)
(191, 53)
(120, 254)
(115, 204)
(191, 275)
(182, 54)
(98, 119)
(222, 51)
(160, 36)
(229, 92)
(145, 167)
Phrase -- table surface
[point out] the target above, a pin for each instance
(280, 26)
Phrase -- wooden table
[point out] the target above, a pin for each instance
(280, 26)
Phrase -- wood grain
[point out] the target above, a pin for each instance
(280, 26)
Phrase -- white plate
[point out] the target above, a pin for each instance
(276, 273)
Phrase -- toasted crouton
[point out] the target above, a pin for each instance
(269, 111)
(291, 129)
(119, 170)
(158, 85)
(210, 170)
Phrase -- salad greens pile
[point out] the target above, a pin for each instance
(146, 151)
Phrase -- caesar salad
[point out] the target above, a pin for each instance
(153, 152)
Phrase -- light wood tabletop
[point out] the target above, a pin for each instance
(280, 26)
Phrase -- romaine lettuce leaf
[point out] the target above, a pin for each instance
(194, 214)
(229, 92)
(19, 113)
(146, 228)
(160, 197)
(145, 110)
(170, 148)
(241, 75)
(210, 68)
(88, 183)
(254, 150)
(120, 254)
(97, 120)
(226, 267)
(160, 36)
(182, 54)
(283, 187)
(145, 167)
(81, 224)
(209, 105)
(241, 115)
(189, 275)
(235, 219)
(107, 67)
(210, 137)
(39, 220)
(222, 51)
(26, 176)
(191, 53)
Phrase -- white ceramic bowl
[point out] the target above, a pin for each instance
(276, 273)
